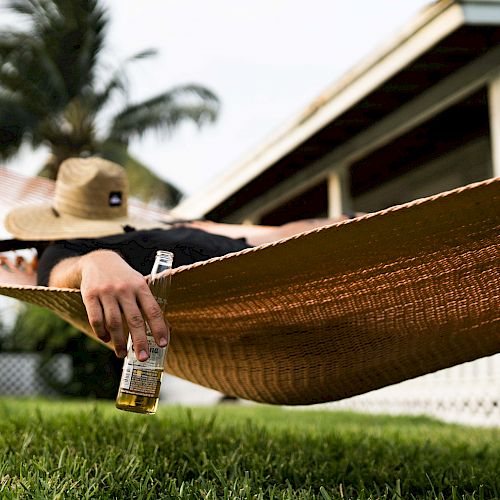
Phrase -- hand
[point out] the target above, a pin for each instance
(112, 292)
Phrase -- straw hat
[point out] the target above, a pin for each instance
(90, 200)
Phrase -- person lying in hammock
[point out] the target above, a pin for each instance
(85, 239)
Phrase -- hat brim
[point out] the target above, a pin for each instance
(42, 223)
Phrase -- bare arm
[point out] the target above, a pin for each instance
(258, 234)
(112, 291)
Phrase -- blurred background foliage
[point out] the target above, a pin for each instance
(57, 91)
(95, 370)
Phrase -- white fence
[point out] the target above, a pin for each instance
(20, 374)
(467, 393)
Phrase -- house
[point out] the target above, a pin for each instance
(419, 116)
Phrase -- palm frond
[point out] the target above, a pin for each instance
(164, 112)
(98, 99)
(72, 34)
(41, 88)
(15, 124)
(10, 41)
(143, 54)
(118, 81)
(197, 91)
(93, 42)
(33, 9)
(76, 41)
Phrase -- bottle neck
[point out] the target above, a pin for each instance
(163, 262)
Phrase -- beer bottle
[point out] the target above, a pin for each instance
(140, 383)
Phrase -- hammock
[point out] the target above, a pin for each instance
(338, 311)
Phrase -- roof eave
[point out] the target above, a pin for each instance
(429, 27)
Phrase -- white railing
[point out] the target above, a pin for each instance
(467, 394)
(20, 375)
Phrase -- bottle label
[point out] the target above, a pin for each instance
(143, 377)
(156, 356)
(141, 382)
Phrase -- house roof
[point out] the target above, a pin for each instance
(445, 37)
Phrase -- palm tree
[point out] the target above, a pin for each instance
(51, 92)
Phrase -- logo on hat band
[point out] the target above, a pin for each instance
(115, 198)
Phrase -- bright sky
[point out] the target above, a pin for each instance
(265, 59)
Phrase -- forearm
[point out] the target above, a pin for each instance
(68, 272)
(259, 234)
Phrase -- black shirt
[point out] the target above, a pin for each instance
(138, 248)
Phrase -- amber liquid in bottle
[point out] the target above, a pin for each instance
(140, 404)
(140, 384)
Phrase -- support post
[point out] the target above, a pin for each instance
(494, 111)
(339, 200)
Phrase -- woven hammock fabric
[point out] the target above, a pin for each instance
(337, 311)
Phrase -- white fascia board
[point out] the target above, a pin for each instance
(441, 96)
(432, 25)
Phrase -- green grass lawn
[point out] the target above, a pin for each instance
(87, 450)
